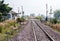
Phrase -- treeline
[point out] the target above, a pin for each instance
(4, 10)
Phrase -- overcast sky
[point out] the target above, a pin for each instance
(33, 6)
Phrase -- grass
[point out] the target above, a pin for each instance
(55, 27)
(8, 28)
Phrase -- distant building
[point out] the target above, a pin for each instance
(26, 17)
(32, 15)
(12, 15)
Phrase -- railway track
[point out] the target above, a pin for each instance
(54, 35)
(40, 34)
(34, 31)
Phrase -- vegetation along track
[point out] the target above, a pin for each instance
(40, 34)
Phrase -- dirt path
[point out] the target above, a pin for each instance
(25, 35)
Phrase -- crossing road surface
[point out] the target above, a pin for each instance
(36, 31)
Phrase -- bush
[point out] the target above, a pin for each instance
(10, 22)
(54, 21)
(38, 17)
(0, 29)
(20, 19)
(58, 21)
(8, 27)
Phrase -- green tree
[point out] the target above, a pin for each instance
(57, 14)
(4, 9)
(54, 21)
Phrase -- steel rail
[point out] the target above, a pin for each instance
(45, 32)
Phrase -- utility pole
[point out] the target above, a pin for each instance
(50, 12)
(18, 12)
(22, 14)
(46, 12)
(19, 17)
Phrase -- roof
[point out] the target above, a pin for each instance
(13, 13)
